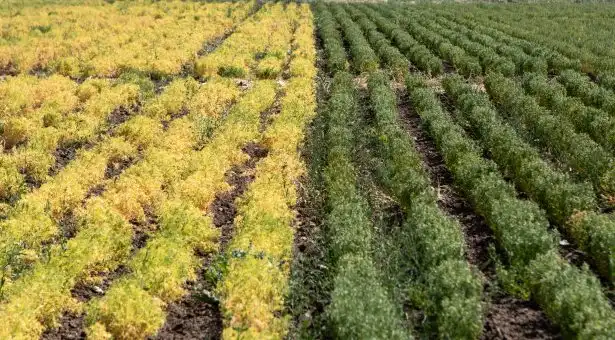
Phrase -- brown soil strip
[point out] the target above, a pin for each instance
(211, 45)
(197, 315)
(71, 328)
(507, 317)
(183, 112)
(9, 70)
(448, 67)
(120, 115)
(267, 116)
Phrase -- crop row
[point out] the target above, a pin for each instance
(256, 283)
(522, 61)
(133, 307)
(496, 51)
(390, 57)
(572, 298)
(571, 205)
(106, 40)
(104, 226)
(418, 54)
(333, 45)
(459, 58)
(570, 68)
(492, 55)
(433, 243)
(182, 166)
(553, 132)
(236, 56)
(41, 116)
(45, 209)
(556, 62)
(360, 306)
(552, 95)
(363, 57)
(576, 83)
(564, 37)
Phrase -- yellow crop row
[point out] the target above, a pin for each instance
(264, 36)
(104, 39)
(253, 290)
(42, 210)
(69, 114)
(104, 230)
(133, 308)
(19, 96)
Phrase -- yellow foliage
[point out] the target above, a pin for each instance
(141, 131)
(127, 311)
(16, 130)
(133, 36)
(257, 287)
(254, 288)
(270, 29)
(213, 97)
(38, 300)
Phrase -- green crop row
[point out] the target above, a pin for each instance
(360, 307)
(519, 225)
(418, 54)
(555, 191)
(572, 298)
(331, 39)
(567, 203)
(364, 59)
(487, 56)
(596, 123)
(464, 63)
(523, 62)
(579, 85)
(554, 134)
(434, 242)
(508, 35)
(390, 56)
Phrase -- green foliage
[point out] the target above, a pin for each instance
(231, 71)
(360, 306)
(436, 255)
(41, 28)
(464, 63)
(595, 234)
(141, 79)
(487, 56)
(364, 59)
(572, 298)
(579, 85)
(331, 39)
(554, 134)
(595, 122)
(419, 55)
(392, 59)
(519, 226)
(553, 190)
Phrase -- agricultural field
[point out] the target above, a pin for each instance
(292, 170)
